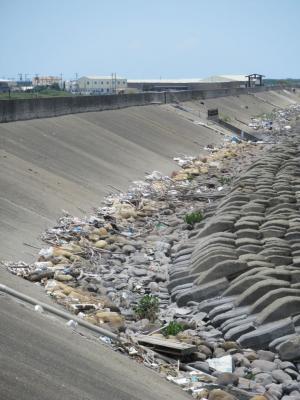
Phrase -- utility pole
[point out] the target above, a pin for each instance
(37, 83)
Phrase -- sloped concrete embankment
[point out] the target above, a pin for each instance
(72, 162)
(242, 265)
(68, 162)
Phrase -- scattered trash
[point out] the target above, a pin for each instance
(38, 308)
(105, 339)
(222, 364)
(132, 351)
(72, 324)
(235, 139)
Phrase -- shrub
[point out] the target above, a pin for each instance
(172, 329)
(193, 217)
(147, 307)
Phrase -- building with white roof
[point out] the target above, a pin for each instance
(210, 83)
(241, 80)
(226, 78)
(97, 84)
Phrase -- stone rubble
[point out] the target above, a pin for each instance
(230, 280)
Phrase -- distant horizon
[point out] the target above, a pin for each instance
(31, 76)
(150, 40)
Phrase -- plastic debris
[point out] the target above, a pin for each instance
(222, 364)
(72, 324)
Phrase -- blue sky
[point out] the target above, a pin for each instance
(150, 38)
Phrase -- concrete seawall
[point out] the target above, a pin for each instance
(26, 109)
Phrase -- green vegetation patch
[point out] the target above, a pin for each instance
(147, 307)
(172, 329)
(193, 217)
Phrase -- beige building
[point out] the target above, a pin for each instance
(94, 84)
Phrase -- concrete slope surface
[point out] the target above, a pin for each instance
(40, 358)
(69, 162)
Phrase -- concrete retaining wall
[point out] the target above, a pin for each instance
(24, 109)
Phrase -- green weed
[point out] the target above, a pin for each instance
(193, 217)
(147, 307)
(172, 329)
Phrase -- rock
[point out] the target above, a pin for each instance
(63, 277)
(128, 249)
(290, 387)
(290, 349)
(294, 396)
(263, 365)
(199, 356)
(251, 355)
(126, 211)
(218, 394)
(227, 345)
(240, 371)
(281, 376)
(203, 394)
(102, 232)
(201, 366)
(240, 359)
(293, 374)
(140, 272)
(266, 355)
(287, 364)
(258, 397)
(112, 318)
(219, 352)
(154, 287)
(91, 287)
(204, 349)
(227, 378)
(101, 244)
(275, 390)
(264, 378)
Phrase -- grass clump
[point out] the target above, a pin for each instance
(193, 217)
(225, 118)
(225, 180)
(172, 329)
(147, 307)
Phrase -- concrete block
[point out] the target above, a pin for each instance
(262, 336)
(202, 292)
